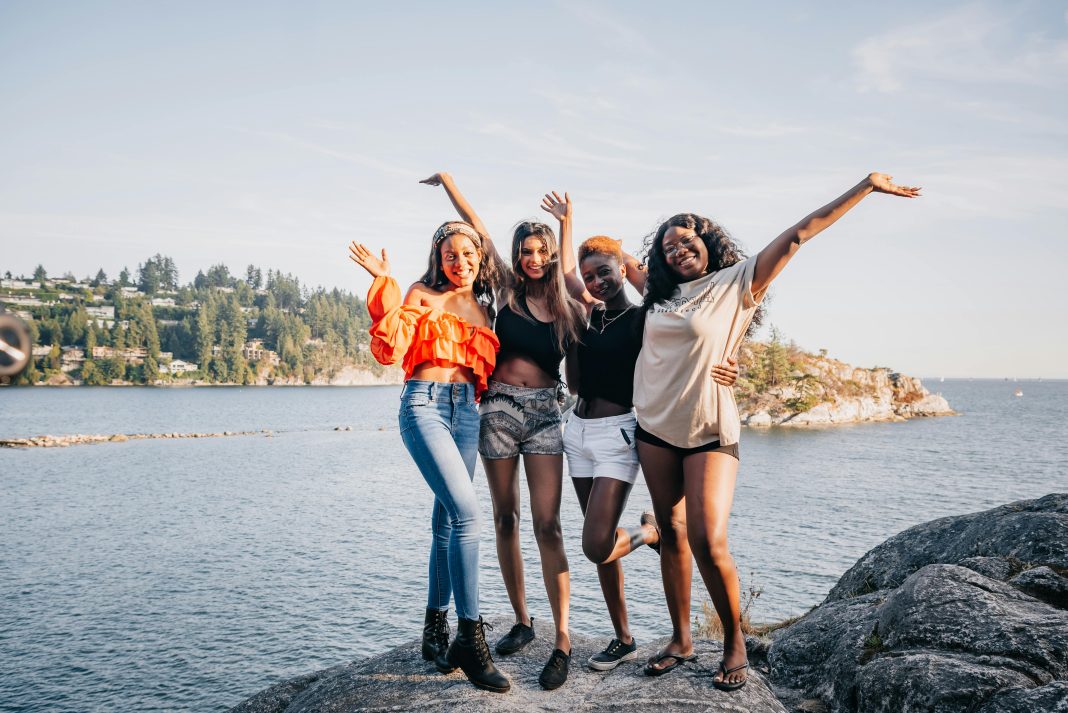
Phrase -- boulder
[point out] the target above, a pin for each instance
(960, 614)
(401, 680)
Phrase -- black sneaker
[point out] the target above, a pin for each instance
(616, 653)
(519, 636)
(555, 672)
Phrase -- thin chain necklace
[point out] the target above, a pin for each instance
(605, 321)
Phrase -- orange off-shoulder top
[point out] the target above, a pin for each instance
(426, 334)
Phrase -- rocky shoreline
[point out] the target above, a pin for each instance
(85, 439)
(966, 613)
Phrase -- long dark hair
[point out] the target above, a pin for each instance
(489, 271)
(567, 316)
(723, 252)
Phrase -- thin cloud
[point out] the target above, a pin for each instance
(967, 45)
(370, 162)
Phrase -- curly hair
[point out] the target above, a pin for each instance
(489, 272)
(567, 316)
(600, 245)
(723, 252)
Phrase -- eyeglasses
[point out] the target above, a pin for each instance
(685, 242)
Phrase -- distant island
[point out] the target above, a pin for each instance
(146, 329)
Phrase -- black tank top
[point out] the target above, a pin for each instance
(607, 355)
(531, 339)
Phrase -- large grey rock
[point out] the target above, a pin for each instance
(1025, 533)
(399, 680)
(942, 637)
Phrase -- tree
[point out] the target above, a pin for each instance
(90, 339)
(53, 362)
(100, 279)
(39, 274)
(124, 277)
(92, 375)
(254, 277)
(776, 360)
(150, 370)
(29, 375)
(148, 277)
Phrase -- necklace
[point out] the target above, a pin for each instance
(605, 321)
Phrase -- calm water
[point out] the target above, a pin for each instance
(189, 574)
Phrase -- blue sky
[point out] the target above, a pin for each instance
(274, 133)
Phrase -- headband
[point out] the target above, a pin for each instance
(452, 229)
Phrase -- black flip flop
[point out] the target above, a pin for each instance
(648, 518)
(679, 659)
(723, 685)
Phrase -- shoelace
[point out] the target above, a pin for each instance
(483, 647)
(441, 631)
(613, 647)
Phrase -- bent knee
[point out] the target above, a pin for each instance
(597, 551)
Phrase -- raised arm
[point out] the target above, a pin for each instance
(636, 272)
(459, 202)
(560, 208)
(773, 258)
(468, 215)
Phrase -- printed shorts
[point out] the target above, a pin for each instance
(602, 447)
(517, 419)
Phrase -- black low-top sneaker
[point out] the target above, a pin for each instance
(616, 653)
(555, 672)
(518, 637)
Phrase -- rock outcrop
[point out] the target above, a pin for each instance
(959, 614)
(823, 392)
(399, 680)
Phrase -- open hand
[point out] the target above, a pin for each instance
(883, 184)
(727, 373)
(436, 179)
(559, 207)
(363, 257)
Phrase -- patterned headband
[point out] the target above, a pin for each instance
(452, 229)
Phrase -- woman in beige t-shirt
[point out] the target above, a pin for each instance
(700, 299)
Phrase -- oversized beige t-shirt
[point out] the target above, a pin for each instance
(675, 397)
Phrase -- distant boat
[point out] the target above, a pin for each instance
(1018, 392)
(942, 379)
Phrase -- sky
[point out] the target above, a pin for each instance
(274, 133)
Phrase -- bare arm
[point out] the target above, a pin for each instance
(636, 272)
(561, 210)
(773, 258)
(467, 214)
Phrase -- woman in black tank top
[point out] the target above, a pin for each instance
(599, 438)
(520, 415)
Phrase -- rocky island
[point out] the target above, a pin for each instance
(965, 613)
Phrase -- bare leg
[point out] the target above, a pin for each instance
(664, 476)
(710, 479)
(545, 475)
(503, 478)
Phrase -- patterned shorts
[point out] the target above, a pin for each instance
(517, 419)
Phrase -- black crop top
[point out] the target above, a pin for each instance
(531, 339)
(607, 355)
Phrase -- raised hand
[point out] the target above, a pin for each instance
(559, 207)
(883, 183)
(435, 180)
(363, 257)
(725, 374)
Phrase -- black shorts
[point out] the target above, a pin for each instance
(714, 447)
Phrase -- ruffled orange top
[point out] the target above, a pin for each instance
(426, 334)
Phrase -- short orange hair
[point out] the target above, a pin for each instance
(601, 245)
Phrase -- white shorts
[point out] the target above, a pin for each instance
(602, 447)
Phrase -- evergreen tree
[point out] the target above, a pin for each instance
(40, 274)
(776, 360)
(150, 370)
(254, 277)
(124, 277)
(100, 279)
(53, 362)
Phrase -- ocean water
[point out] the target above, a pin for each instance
(164, 575)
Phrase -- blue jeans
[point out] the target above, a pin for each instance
(439, 427)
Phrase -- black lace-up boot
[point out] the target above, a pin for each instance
(435, 633)
(470, 653)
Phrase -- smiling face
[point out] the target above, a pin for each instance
(685, 252)
(460, 260)
(603, 276)
(534, 257)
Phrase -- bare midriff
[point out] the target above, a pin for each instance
(517, 370)
(599, 408)
(445, 374)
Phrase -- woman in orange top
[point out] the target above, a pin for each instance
(441, 334)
